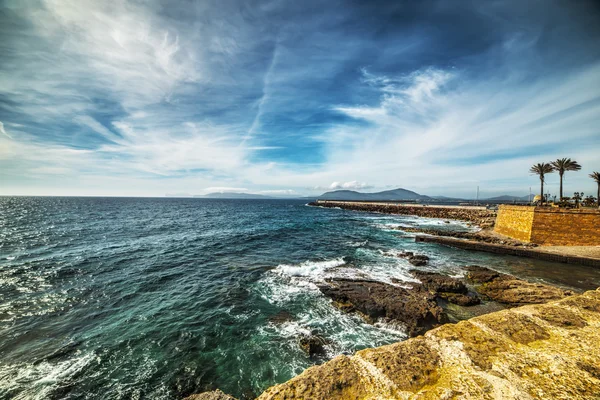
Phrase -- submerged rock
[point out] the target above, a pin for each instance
(281, 317)
(313, 344)
(416, 308)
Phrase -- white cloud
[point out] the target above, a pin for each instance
(349, 185)
(3, 131)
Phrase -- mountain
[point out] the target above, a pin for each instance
(225, 195)
(395, 194)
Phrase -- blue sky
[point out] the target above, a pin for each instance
(143, 98)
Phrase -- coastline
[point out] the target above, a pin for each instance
(480, 216)
(535, 352)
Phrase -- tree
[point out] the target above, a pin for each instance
(596, 176)
(541, 169)
(562, 165)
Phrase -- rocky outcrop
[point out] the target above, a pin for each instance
(510, 290)
(313, 344)
(214, 395)
(482, 217)
(544, 351)
(450, 289)
(416, 308)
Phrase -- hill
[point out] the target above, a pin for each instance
(395, 194)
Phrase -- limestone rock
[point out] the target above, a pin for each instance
(547, 351)
(214, 395)
(517, 292)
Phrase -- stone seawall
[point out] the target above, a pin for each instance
(550, 226)
(477, 215)
(547, 351)
(537, 253)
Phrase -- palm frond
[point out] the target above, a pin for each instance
(565, 164)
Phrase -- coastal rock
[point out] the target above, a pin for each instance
(465, 300)
(439, 283)
(520, 353)
(477, 274)
(416, 308)
(418, 260)
(515, 292)
(313, 344)
(510, 290)
(281, 317)
(214, 395)
(450, 289)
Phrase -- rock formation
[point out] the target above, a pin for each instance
(416, 308)
(547, 351)
(509, 290)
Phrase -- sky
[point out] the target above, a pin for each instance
(293, 98)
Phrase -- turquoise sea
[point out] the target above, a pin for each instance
(158, 298)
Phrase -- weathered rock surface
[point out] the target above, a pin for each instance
(416, 307)
(547, 351)
(450, 289)
(214, 395)
(435, 282)
(509, 290)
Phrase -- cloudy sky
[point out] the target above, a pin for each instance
(295, 97)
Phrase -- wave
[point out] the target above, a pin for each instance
(39, 381)
(309, 268)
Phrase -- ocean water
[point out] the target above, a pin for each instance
(129, 298)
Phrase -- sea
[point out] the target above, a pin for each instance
(159, 298)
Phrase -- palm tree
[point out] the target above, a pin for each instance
(564, 164)
(541, 169)
(596, 176)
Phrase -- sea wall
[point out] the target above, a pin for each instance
(515, 222)
(477, 215)
(519, 251)
(546, 351)
(550, 226)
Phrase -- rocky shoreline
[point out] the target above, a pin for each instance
(476, 215)
(546, 351)
(450, 359)
(417, 306)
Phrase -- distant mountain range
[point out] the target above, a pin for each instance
(351, 195)
(403, 194)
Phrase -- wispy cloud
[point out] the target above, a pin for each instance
(149, 98)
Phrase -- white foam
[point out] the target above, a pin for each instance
(42, 378)
(309, 268)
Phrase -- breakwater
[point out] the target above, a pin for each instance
(521, 251)
(476, 215)
(531, 352)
